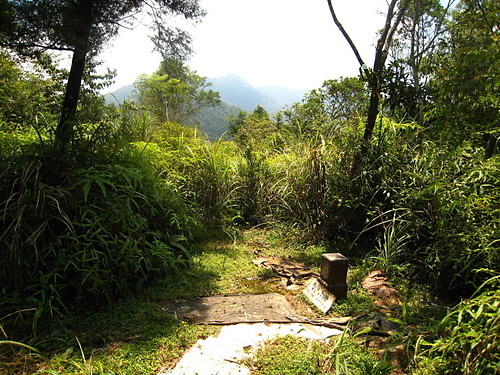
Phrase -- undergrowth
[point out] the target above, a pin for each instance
(120, 212)
(339, 355)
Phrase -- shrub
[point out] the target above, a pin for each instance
(87, 233)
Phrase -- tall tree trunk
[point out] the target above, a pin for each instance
(67, 120)
(80, 37)
(491, 145)
(374, 84)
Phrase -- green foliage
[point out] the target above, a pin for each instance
(6, 18)
(211, 182)
(68, 24)
(406, 78)
(335, 101)
(26, 97)
(341, 355)
(405, 98)
(458, 206)
(468, 342)
(302, 194)
(175, 94)
(290, 356)
(84, 233)
(358, 302)
(134, 124)
(256, 130)
(467, 82)
(214, 121)
(253, 188)
(147, 339)
(92, 108)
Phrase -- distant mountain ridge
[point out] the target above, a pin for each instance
(236, 94)
(235, 91)
(120, 95)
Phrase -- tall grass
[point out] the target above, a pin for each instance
(85, 228)
(468, 337)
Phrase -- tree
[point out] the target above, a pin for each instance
(395, 12)
(78, 26)
(173, 93)
(27, 91)
(337, 100)
(256, 130)
(6, 18)
(325, 110)
(467, 84)
(406, 79)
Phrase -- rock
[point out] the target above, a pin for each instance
(375, 325)
(376, 283)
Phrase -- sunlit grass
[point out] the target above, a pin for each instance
(288, 355)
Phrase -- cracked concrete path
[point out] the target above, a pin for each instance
(223, 354)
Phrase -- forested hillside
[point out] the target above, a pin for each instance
(235, 93)
(118, 210)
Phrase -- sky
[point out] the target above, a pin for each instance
(290, 43)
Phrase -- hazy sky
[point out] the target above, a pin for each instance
(292, 43)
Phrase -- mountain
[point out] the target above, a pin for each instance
(236, 94)
(236, 91)
(118, 96)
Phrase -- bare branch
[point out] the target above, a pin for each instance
(394, 27)
(44, 47)
(387, 26)
(346, 36)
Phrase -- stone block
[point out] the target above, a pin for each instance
(334, 273)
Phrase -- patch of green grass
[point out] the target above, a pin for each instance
(358, 302)
(285, 245)
(289, 355)
(133, 337)
(230, 265)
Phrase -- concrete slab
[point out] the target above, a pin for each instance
(223, 354)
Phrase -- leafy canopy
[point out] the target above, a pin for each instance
(174, 93)
(64, 24)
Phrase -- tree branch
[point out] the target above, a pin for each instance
(44, 47)
(394, 27)
(346, 36)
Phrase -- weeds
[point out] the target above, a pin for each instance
(341, 355)
(86, 234)
(469, 336)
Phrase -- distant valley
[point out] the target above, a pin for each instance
(236, 94)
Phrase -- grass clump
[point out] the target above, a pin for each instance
(296, 356)
(469, 338)
(288, 355)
